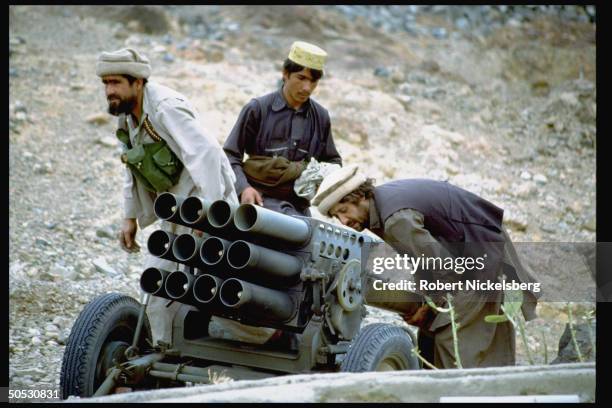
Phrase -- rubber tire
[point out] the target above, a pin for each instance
(376, 343)
(109, 317)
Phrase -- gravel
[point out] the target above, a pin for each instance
(65, 178)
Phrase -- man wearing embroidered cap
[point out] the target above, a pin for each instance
(434, 219)
(281, 132)
(183, 159)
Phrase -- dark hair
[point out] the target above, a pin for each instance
(131, 79)
(365, 190)
(292, 67)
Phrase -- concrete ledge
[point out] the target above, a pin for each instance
(391, 386)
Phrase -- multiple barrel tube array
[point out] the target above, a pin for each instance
(229, 270)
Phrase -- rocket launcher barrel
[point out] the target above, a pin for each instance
(166, 207)
(257, 301)
(255, 259)
(206, 289)
(152, 281)
(178, 286)
(193, 212)
(186, 249)
(160, 243)
(213, 250)
(250, 218)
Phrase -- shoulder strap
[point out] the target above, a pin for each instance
(150, 130)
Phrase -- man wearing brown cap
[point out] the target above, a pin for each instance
(281, 132)
(435, 219)
(165, 149)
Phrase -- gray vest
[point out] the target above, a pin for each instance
(466, 224)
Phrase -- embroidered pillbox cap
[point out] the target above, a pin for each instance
(307, 55)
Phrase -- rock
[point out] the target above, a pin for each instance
(77, 87)
(59, 272)
(434, 93)
(405, 100)
(98, 119)
(382, 72)
(63, 337)
(590, 224)
(397, 77)
(548, 228)
(36, 341)
(525, 190)
(106, 232)
(33, 332)
(584, 334)
(32, 372)
(50, 225)
(102, 266)
(515, 221)
(42, 242)
(575, 207)
(525, 175)
(169, 58)
(60, 321)
(540, 88)
(430, 66)
(44, 168)
(107, 141)
(52, 335)
(462, 23)
(19, 107)
(21, 116)
(51, 328)
(439, 32)
(540, 179)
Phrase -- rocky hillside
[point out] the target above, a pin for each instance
(498, 100)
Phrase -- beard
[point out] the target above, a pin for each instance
(124, 106)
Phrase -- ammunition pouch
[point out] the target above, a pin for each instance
(154, 164)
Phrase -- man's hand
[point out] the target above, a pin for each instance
(421, 318)
(250, 196)
(127, 235)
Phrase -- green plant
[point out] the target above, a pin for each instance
(511, 309)
(454, 324)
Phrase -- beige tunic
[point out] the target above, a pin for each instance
(207, 174)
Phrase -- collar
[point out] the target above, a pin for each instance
(143, 115)
(374, 216)
(279, 103)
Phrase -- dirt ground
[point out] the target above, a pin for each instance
(508, 114)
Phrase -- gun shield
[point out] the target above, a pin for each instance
(256, 301)
(262, 221)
